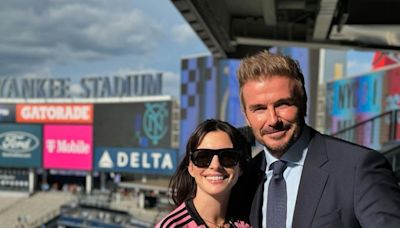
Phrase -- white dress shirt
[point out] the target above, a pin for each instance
(295, 158)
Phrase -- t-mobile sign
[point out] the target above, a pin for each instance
(68, 147)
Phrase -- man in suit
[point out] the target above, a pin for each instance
(302, 178)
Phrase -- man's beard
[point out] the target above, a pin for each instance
(285, 146)
(281, 149)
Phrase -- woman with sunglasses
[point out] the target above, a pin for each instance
(216, 154)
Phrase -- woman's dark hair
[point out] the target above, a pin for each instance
(182, 184)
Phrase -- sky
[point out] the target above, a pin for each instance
(75, 39)
(359, 62)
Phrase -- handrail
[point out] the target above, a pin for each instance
(365, 132)
(363, 122)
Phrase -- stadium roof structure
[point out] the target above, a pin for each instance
(235, 28)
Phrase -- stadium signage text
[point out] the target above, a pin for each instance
(12, 180)
(68, 146)
(18, 143)
(143, 160)
(132, 160)
(63, 146)
(7, 113)
(90, 87)
(55, 113)
(4, 112)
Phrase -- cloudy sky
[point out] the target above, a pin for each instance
(75, 38)
(359, 62)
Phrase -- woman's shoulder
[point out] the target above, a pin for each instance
(179, 217)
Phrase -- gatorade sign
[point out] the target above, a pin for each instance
(135, 160)
(55, 113)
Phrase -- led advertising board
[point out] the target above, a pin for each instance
(135, 160)
(55, 113)
(68, 147)
(140, 124)
(7, 112)
(14, 180)
(209, 89)
(229, 99)
(20, 145)
(358, 99)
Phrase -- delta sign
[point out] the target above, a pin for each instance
(135, 160)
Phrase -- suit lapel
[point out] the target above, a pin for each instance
(255, 216)
(259, 165)
(312, 183)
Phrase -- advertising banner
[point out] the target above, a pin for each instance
(68, 147)
(14, 180)
(140, 124)
(135, 160)
(228, 101)
(365, 98)
(20, 145)
(7, 112)
(391, 100)
(55, 113)
(198, 94)
(353, 101)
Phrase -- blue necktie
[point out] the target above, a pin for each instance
(277, 198)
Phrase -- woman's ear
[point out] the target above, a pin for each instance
(190, 169)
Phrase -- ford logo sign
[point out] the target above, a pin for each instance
(18, 141)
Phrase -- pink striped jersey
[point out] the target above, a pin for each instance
(180, 217)
(186, 216)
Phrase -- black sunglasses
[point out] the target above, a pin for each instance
(228, 157)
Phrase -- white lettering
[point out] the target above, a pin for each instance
(156, 159)
(51, 145)
(16, 142)
(25, 112)
(72, 147)
(4, 112)
(41, 113)
(135, 160)
(56, 113)
(145, 163)
(122, 159)
(52, 113)
(167, 162)
(63, 146)
(144, 160)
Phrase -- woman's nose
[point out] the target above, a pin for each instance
(215, 162)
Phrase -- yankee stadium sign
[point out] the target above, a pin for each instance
(90, 87)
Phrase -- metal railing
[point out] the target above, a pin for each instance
(381, 132)
(374, 132)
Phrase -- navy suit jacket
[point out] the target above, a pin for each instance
(341, 185)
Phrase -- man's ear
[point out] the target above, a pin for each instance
(245, 116)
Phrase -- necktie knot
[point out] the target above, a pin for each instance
(278, 167)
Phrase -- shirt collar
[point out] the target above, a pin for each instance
(296, 153)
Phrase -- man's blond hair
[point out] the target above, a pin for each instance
(265, 65)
